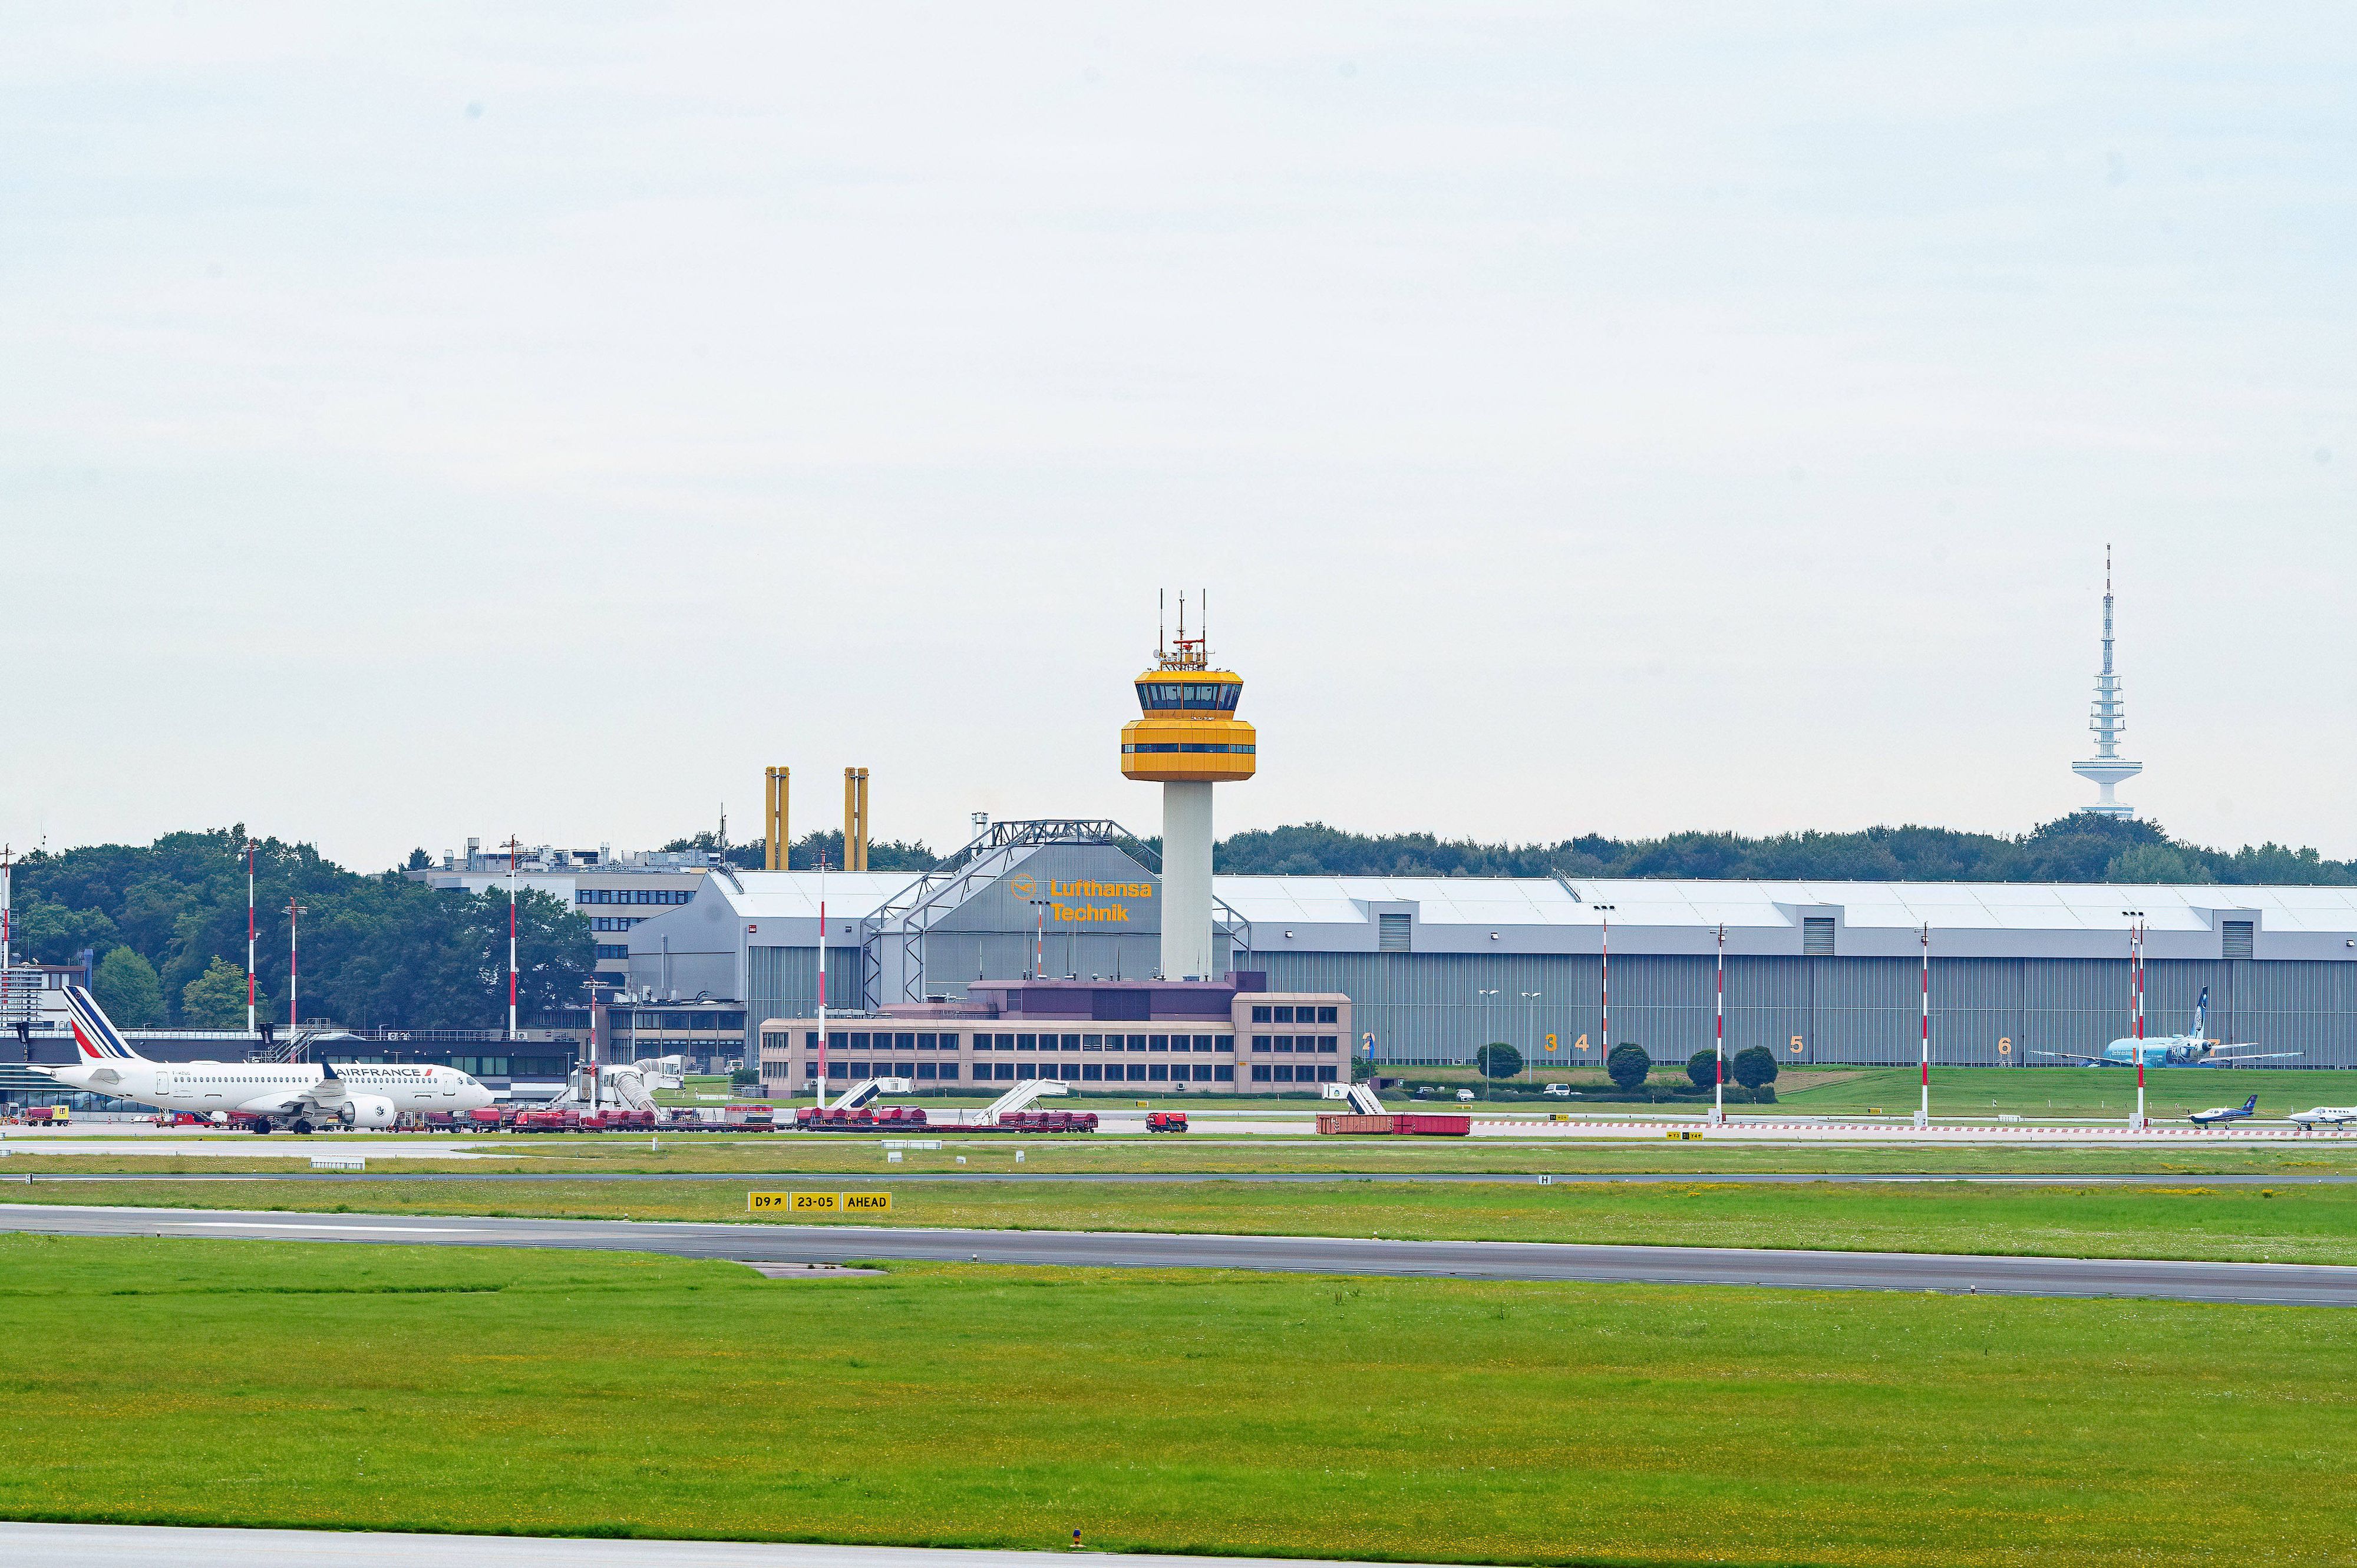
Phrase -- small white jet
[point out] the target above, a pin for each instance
(2218, 1115)
(2326, 1116)
(264, 1096)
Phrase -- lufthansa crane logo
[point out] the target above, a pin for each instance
(1024, 887)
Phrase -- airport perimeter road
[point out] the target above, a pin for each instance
(2294, 1284)
(148, 1546)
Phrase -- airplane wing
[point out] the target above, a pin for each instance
(2218, 1058)
(2068, 1056)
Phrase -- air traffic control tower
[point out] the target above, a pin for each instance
(1188, 740)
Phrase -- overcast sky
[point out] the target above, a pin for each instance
(426, 420)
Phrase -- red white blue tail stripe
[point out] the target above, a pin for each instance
(94, 1032)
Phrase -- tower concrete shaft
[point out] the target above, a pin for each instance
(2107, 718)
(1188, 740)
(1187, 880)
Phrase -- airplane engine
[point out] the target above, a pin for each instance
(366, 1111)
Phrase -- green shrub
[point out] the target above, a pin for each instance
(1754, 1067)
(1627, 1064)
(1702, 1069)
(1498, 1059)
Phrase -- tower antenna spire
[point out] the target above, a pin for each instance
(2107, 719)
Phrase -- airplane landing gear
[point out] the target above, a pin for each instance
(302, 1128)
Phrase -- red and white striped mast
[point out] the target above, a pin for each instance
(1923, 1115)
(821, 1088)
(1719, 1089)
(7, 859)
(1605, 910)
(2136, 962)
(515, 853)
(250, 932)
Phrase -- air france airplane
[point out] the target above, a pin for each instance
(2218, 1115)
(265, 1096)
(2193, 1049)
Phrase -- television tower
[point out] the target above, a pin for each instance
(1188, 740)
(2107, 717)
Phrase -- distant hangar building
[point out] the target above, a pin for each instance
(1433, 967)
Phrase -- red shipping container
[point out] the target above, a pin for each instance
(1433, 1125)
(1356, 1125)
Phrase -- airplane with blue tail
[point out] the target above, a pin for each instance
(2218, 1115)
(2194, 1049)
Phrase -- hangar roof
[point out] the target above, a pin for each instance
(1947, 906)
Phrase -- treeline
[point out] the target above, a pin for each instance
(806, 854)
(166, 924)
(2076, 848)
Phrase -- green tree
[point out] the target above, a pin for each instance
(1627, 1064)
(418, 860)
(2155, 863)
(1498, 1059)
(1702, 1069)
(1754, 1067)
(125, 985)
(215, 999)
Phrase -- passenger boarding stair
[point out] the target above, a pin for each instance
(866, 1090)
(1015, 1099)
(1363, 1098)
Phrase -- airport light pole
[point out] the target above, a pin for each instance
(1489, 1027)
(1039, 937)
(294, 1016)
(1533, 998)
(1923, 1115)
(8, 860)
(1719, 1040)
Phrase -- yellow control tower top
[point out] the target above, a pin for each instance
(1191, 732)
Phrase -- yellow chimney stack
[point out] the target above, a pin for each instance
(774, 831)
(854, 818)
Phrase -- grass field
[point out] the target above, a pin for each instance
(2239, 1224)
(258, 1383)
(2169, 1092)
(1209, 1153)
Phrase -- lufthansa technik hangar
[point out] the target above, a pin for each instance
(1433, 967)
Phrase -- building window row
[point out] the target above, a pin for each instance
(878, 1040)
(840, 1071)
(1301, 1015)
(1287, 1072)
(632, 894)
(613, 922)
(1187, 745)
(613, 949)
(1322, 1044)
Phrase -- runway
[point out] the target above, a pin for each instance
(1166, 1178)
(2299, 1284)
(148, 1546)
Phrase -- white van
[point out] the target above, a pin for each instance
(1558, 1091)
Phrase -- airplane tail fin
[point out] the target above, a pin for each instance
(2251, 1104)
(2200, 1011)
(95, 1036)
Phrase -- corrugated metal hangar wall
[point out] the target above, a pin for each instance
(1993, 1012)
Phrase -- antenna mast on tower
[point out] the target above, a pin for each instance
(2107, 718)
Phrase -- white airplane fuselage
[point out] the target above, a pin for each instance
(282, 1091)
